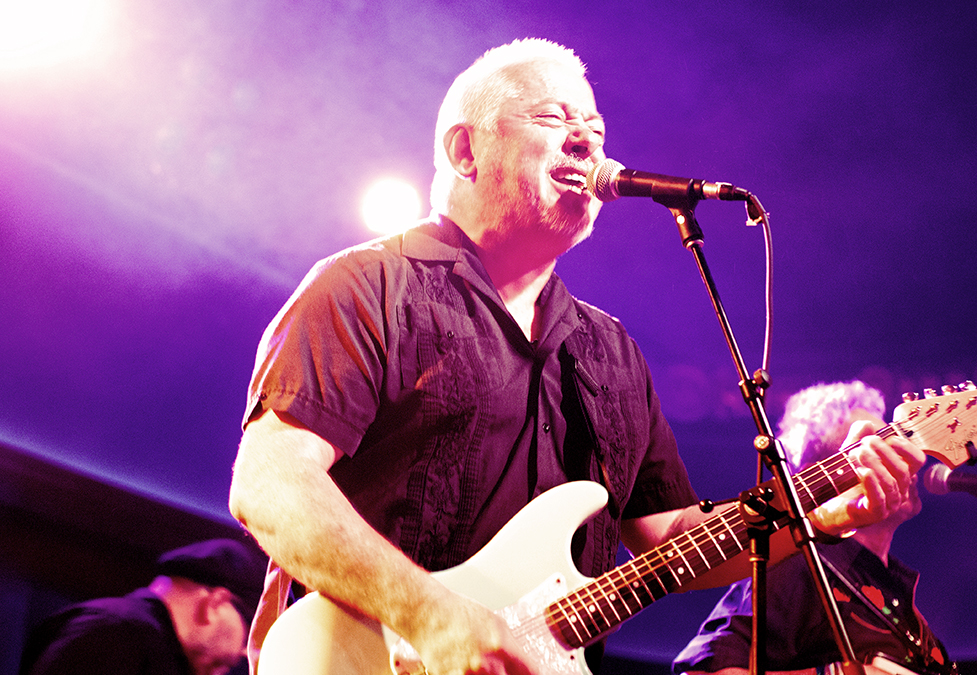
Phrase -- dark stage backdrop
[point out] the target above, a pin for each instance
(158, 207)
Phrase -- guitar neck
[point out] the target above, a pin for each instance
(945, 426)
(598, 607)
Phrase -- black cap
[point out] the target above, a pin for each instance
(219, 562)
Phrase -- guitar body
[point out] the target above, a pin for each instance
(525, 567)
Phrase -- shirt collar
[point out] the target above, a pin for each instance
(440, 239)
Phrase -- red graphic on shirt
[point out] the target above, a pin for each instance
(840, 595)
(875, 595)
(937, 655)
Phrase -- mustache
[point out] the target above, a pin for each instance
(571, 162)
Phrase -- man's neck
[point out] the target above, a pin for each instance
(518, 288)
(519, 265)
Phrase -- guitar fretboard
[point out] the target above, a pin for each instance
(596, 608)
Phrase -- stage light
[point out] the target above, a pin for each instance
(38, 33)
(390, 205)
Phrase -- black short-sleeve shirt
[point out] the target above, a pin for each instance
(401, 354)
(131, 635)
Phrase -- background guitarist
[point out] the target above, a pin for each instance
(416, 392)
(875, 591)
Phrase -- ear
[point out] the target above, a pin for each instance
(458, 148)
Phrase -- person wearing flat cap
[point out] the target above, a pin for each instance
(192, 619)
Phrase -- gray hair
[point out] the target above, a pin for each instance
(813, 414)
(477, 94)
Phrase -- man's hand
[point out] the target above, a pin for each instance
(468, 639)
(887, 470)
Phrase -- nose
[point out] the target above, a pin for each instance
(582, 141)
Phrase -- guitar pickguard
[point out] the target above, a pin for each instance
(525, 619)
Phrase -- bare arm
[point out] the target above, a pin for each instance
(282, 492)
(885, 467)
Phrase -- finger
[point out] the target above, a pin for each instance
(873, 504)
(887, 473)
(858, 430)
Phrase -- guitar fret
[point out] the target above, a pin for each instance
(683, 568)
(691, 539)
(569, 621)
(831, 480)
(799, 480)
(590, 611)
(733, 537)
(654, 569)
(624, 583)
(609, 599)
(717, 541)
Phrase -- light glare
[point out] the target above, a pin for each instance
(390, 205)
(37, 33)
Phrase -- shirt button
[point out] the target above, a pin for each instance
(450, 334)
(546, 428)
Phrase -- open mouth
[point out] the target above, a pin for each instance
(573, 178)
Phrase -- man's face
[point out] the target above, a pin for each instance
(533, 166)
(218, 644)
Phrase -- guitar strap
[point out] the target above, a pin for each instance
(578, 374)
(913, 643)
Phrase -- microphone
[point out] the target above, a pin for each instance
(939, 480)
(609, 180)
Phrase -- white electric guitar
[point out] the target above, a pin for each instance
(526, 573)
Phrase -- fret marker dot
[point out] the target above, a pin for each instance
(721, 537)
(681, 570)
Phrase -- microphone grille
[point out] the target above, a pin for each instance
(935, 477)
(600, 180)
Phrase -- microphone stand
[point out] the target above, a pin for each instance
(757, 505)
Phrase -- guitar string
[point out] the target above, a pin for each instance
(713, 535)
(595, 598)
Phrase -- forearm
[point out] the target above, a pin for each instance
(666, 530)
(283, 494)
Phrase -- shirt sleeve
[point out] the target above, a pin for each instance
(322, 358)
(798, 635)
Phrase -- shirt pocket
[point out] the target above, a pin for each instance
(447, 354)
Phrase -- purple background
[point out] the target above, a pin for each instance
(157, 210)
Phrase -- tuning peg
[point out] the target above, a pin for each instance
(967, 386)
(910, 396)
(950, 389)
(929, 393)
